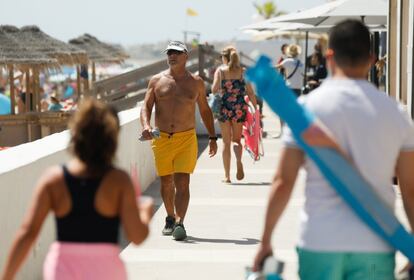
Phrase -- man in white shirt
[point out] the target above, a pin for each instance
(377, 136)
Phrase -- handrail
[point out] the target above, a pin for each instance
(122, 91)
(134, 75)
(243, 55)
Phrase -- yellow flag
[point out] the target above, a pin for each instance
(191, 12)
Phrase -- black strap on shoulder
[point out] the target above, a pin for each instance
(294, 70)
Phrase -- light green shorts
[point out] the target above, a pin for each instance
(314, 265)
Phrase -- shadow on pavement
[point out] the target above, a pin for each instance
(251, 184)
(243, 241)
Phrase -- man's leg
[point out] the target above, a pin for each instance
(182, 199)
(168, 197)
(182, 195)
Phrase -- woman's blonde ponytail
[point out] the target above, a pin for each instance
(234, 62)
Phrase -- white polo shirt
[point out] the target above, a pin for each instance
(373, 130)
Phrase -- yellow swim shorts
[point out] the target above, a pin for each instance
(176, 152)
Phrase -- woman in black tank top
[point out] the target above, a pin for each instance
(89, 198)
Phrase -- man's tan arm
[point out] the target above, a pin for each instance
(207, 117)
(146, 110)
(205, 111)
(405, 176)
(290, 161)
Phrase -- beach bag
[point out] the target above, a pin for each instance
(215, 103)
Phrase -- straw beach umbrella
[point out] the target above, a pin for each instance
(112, 50)
(15, 54)
(63, 52)
(98, 52)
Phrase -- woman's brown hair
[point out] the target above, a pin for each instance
(94, 134)
(230, 53)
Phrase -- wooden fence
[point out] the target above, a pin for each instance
(125, 90)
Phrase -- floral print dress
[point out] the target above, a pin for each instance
(234, 107)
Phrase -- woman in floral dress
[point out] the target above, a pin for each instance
(230, 84)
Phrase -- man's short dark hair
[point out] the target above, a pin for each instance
(351, 43)
(284, 46)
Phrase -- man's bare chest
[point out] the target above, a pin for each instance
(179, 91)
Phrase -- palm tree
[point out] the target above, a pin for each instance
(268, 9)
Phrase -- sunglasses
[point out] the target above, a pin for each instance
(171, 52)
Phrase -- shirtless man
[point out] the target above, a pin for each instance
(175, 93)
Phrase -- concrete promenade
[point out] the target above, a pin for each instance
(223, 222)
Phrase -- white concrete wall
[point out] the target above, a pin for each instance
(21, 166)
(201, 129)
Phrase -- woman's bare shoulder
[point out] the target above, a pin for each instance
(118, 177)
(52, 175)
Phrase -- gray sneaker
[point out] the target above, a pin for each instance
(169, 225)
(179, 233)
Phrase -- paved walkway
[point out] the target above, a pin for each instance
(223, 222)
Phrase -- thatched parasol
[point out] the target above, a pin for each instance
(15, 54)
(115, 51)
(97, 51)
(63, 52)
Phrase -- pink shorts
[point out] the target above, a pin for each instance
(83, 261)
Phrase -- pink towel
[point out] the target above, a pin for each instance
(83, 261)
(252, 132)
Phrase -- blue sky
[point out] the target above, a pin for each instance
(136, 21)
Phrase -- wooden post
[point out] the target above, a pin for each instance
(12, 95)
(36, 90)
(93, 72)
(78, 82)
(201, 61)
(27, 94)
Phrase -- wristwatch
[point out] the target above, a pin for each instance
(213, 138)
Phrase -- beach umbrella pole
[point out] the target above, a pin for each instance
(12, 97)
(306, 58)
(36, 89)
(78, 82)
(27, 94)
(93, 72)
